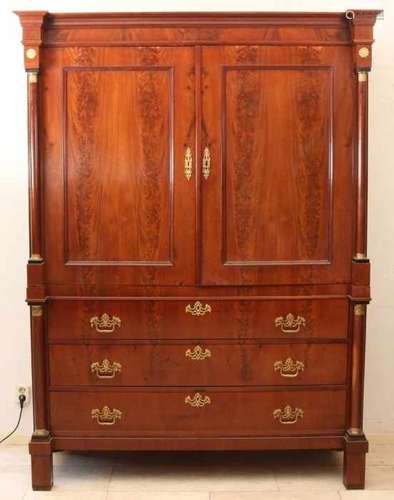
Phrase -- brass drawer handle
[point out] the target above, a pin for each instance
(105, 369)
(105, 323)
(188, 163)
(290, 324)
(289, 368)
(197, 401)
(206, 163)
(106, 416)
(288, 415)
(198, 353)
(198, 309)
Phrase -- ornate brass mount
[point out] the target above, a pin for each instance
(41, 434)
(188, 166)
(363, 52)
(290, 324)
(206, 163)
(198, 309)
(31, 53)
(354, 431)
(106, 416)
(105, 323)
(33, 78)
(359, 309)
(198, 353)
(197, 401)
(35, 257)
(36, 311)
(105, 369)
(289, 368)
(362, 77)
(288, 415)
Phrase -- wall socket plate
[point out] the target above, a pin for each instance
(26, 391)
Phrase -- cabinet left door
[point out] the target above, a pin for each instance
(117, 155)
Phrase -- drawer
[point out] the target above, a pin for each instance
(197, 412)
(208, 364)
(198, 319)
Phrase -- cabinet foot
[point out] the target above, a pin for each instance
(41, 464)
(355, 450)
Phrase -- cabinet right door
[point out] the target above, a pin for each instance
(277, 143)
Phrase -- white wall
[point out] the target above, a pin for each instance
(14, 318)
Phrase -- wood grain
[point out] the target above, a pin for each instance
(121, 207)
(132, 110)
(270, 232)
(168, 319)
(275, 171)
(159, 364)
(39, 366)
(360, 250)
(277, 136)
(35, 191)
(231, 412)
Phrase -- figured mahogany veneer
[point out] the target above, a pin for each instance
(208, 364)
(168, 319)
(198, 273)
(165, 413)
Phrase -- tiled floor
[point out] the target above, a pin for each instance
(200, 476)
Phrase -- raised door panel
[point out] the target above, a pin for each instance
(277, 201)
(119, 206)
(118, 165)
(276, 143)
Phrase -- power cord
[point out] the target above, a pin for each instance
(22, 399)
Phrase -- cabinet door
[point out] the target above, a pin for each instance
(277, 202)
(117, 123)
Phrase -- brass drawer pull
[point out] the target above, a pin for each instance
(105, 369)
(198, 309)
(197, 401)
(198, 353)
(206, 163)
(188, 163)
(106, 416)
(105, 323)
(288, 415)
(289, 368)
(290, 324)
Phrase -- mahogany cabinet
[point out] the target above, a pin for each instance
(198, 275)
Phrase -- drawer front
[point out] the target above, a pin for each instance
(194, 412)
(208, 364)
(198, 319)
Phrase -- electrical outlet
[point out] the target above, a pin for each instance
(25, 390)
